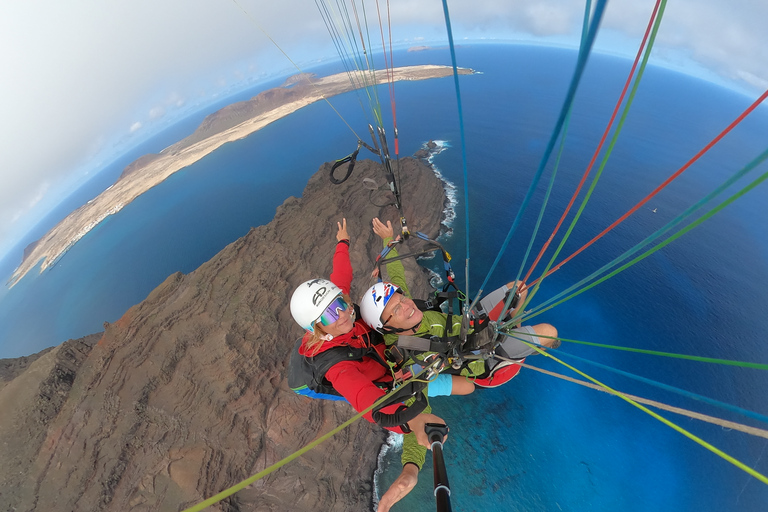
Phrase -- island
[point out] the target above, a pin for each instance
(233, 122)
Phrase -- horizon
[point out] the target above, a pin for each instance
(15, 248)
(99, 107)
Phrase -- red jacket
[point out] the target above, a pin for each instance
(355, 380)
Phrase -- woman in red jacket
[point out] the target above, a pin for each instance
(325, 310)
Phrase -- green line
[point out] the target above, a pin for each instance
(566, 125)
(743, 364)
(277, 465)
(653, 237)
(508, 302)
(608, 151)
(661, 245)
(667, 422)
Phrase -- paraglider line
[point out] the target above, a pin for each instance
(580, 65)
(664, 184)
(761, 158)
(463, 138)
(277, 465)
(297, 67)
(729, 362)
(599, 145)
(667, 422)
(754, 431)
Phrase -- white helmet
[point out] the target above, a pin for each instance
(374, 301)
(310, 299)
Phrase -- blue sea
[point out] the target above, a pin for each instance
(537, 443)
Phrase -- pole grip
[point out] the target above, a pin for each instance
(436, 433)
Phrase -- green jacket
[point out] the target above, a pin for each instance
(433, 322)
(413, 452)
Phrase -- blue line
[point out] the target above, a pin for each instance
(580, 65)
(667, 387)
(584, 29)
(661, 231)
(463, 142)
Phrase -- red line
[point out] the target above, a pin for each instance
(600, 145)
(666, 182)
(387, 65)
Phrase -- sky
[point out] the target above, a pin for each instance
(84, 80)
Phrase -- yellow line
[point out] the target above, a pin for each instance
(261, 474)
(680, 429)
(758, 432)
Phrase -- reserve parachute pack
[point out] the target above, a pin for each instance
(306, 375)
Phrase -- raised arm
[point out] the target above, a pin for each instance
(341, 275)
(395, 269)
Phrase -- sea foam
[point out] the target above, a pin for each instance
(393, 441)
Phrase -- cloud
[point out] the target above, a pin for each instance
(546, 19)
(32, 201)
(757, 81)
(12, 212)
(135, 127)
(156, 113)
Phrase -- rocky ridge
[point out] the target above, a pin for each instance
(186, 394)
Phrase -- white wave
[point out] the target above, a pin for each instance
(435, 279)
(449, 212)
(394, 441)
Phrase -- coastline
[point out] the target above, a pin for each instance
(151, 170)
(197, 370)
(426, 154)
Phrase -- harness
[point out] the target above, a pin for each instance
(306, 377)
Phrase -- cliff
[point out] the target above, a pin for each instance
(186, 394)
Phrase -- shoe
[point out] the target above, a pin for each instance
(503, 372)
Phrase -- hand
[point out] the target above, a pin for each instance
(400, 487)
(342, 233)
(383, 231)
(417, 427)
(522, 289)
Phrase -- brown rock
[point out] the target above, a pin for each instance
(138, 164)
(186, 395)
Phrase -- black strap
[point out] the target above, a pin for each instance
(418, 344)
(404, 413)
(352, 158)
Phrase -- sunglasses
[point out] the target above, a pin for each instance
(331, 313)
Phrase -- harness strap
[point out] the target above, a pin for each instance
(404, 413)
(352, 159)
(417, 344)
(382, 257)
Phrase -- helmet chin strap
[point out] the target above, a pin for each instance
(395, 330)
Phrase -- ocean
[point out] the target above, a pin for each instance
(537, 443)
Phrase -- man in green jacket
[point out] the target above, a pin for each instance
(388, 307)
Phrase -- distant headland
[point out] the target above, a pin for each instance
(233, 122)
